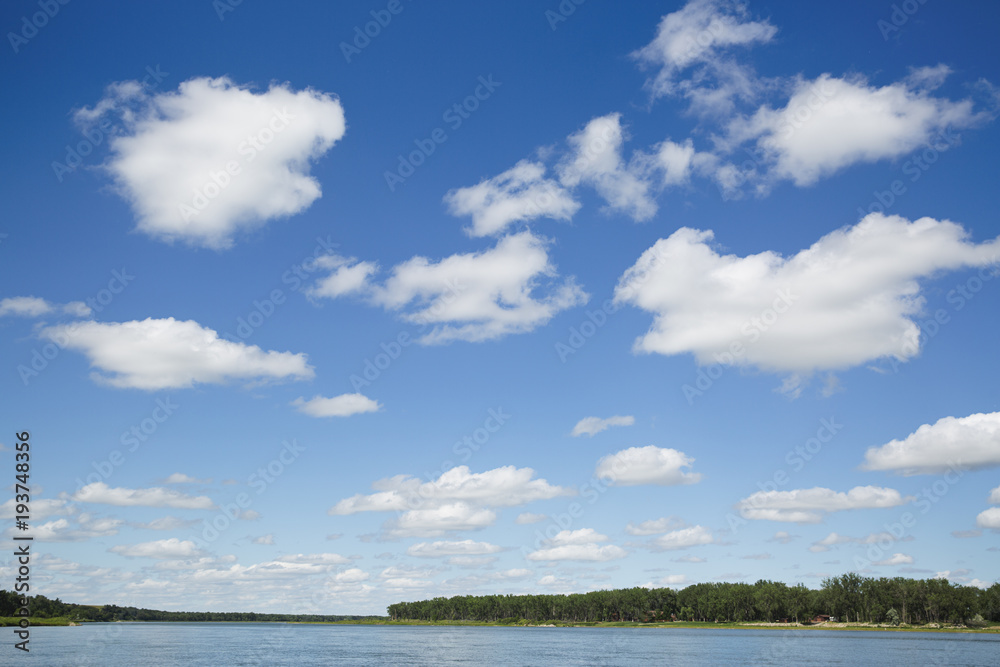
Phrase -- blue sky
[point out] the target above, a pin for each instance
(515, 298)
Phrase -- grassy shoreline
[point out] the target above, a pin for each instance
(994, 629)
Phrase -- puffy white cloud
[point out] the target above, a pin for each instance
(647, 465)
(457, 500)
(156, 496)
(347, 276)
(529, 517)
(213, 158)
(684, 538)
(166, 353)
(895, 559)
(500, 487)
(671, 580)
(994, 496)
(654, 526)
(847, 299)
(474, 296)
(41, 508)
(701, 37)
(782, 537)
(830, 123)
(83, 527)
(457, 548)
(577, 545)
(343, 405)
(951, 443)
(809, 505)
(351, 576)
(521, 193)
(594, 425)
(263, 539)
(33, 306)
(166, 549)
(989, 518)
(595, 159)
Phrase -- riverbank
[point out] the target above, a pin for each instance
(994, 629)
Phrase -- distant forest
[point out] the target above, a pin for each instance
(850, 598)
(43, 607)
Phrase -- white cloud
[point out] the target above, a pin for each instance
(86, 527)
(989, 518)
(166, 353)
(701, 37)
(895, 559)
(521, 193)
(835, 539)
(213, 158)
(314, 559)
(995, 496)
(951, 443)
(41, 508)
(166, 549)
(782, 537)
(848, 299)
(167, 523)
(647, 465)
(831, 123)
(809, 505)
(156, 496)
(690, 559)
(33, 306)
(441, 519)
(577, 545)
(475, 296)
(344, 405)
(263, 539)
(684, 538)
(347, 276)
(181, 478)
(458, 548)
(529, 517)
(351, 576)
(671, 580)
(594, 425)
(500, 487)
(654, 526)
(596, 160)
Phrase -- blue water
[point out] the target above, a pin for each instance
(232, 644)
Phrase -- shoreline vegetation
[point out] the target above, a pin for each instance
(847, 602)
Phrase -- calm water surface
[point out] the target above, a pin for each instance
(232, 644)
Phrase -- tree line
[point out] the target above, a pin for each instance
(43, 607)
(850, 597)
